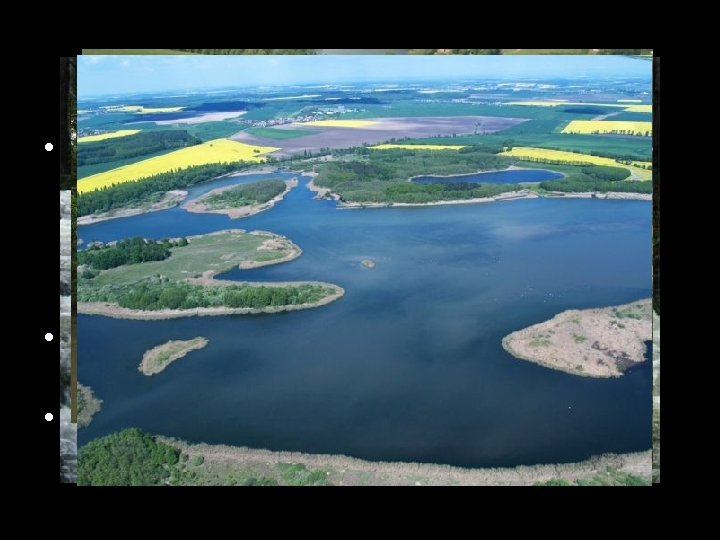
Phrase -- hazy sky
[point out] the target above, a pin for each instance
(99, 75)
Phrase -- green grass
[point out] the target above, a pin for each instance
(579, 339)
(219, 252)
(296, 474)
(207, 131)
(280, 134)
(611, 477)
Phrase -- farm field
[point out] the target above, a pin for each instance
(543, 155)
(342, 123)
(603, 126)
(215, 151)
(625, 107)
(141, 109)
(111, 135)
(416, 147)
(280, 134)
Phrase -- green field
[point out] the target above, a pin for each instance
(216, 252)
(614, 147)
(272, 133)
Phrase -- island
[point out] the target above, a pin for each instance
(601, 342)
(243, 200)
(368, 263)
(158, 358)
(88, 405)
(176, 277)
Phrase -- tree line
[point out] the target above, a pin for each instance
(157, 292)
(246, 194)
(128, 251)
(139, 144)
(151, 188)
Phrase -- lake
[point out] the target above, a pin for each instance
(512, 176)
(408, 365)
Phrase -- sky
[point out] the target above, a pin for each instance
(115, 75)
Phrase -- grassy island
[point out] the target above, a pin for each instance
(243, 200)
(158, 358)
(183, 283)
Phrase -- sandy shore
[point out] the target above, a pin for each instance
(343, 470)
(169, 200)
(601, 342)
(158, 358)
(117, 312)
(198, 205)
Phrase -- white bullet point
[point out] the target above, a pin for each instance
(48, 337)
(48, 146)
(49, 417)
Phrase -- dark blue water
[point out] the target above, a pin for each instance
(408, 365)
(512, 176)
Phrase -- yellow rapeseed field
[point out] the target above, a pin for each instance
(608, 126)
(625, 107)
(415, 147)
(341, 123)
(544, 155)
(111, 135)
(215, 151)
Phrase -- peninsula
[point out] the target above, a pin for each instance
(601, 342)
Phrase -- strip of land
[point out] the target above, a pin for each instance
(158, 358)
(88, 405)
(601, 342)
(200, 206)
(169, 199)
(222, 464)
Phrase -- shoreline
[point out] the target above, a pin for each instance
(197, 206)
(136, 211)
(117, 312)
(169, 200)
(507, 196)
(345, 470)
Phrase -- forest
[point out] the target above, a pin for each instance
(381, 176)
(150, 189)
(246, 194)
(129, 457)
(598, 178)
(157, 292)
(140, 144)
(128, 251)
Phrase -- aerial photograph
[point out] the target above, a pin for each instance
(362, 270)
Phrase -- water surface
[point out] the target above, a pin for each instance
(408, 365)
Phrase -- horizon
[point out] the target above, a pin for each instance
(118, 75)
